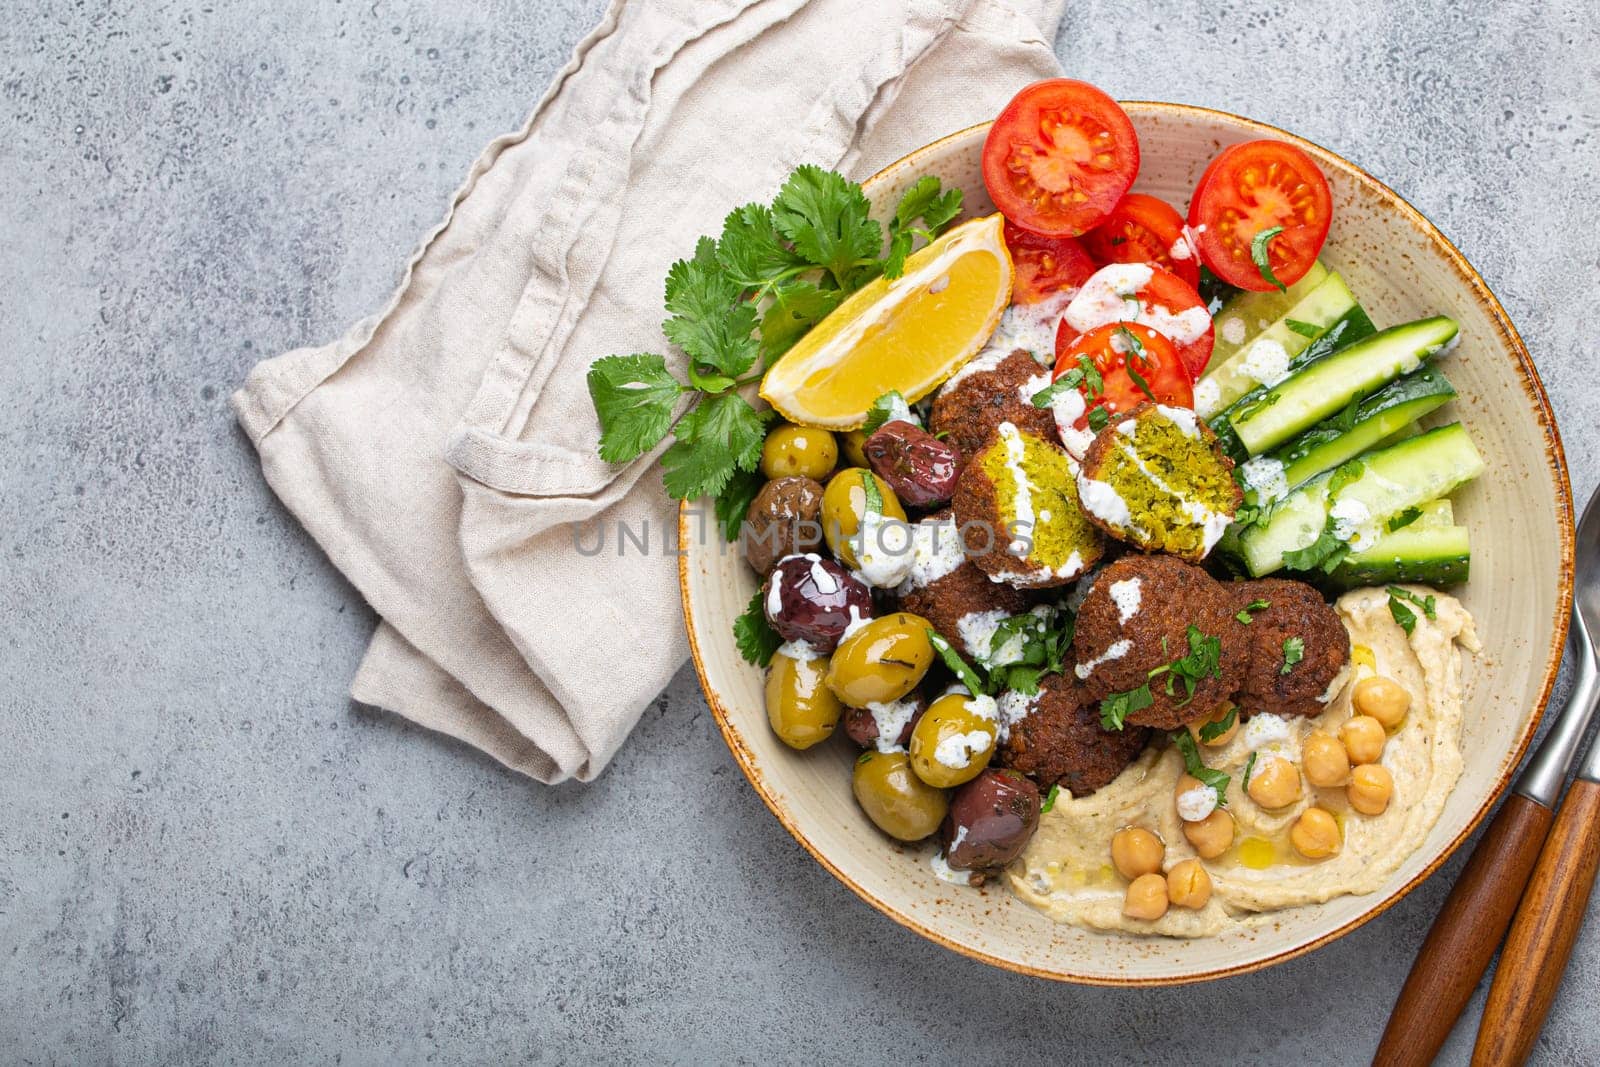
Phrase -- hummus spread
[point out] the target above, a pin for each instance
(1066, 869)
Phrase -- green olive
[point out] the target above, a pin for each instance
(791, 450)
(844, 501)
(801, 709)
(952, 743)
(882, 661)
(853, 446)
(896, 800)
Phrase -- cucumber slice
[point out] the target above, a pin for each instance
(1320, 390)
(1257, 311)
(1234, 371)
(1431, 555)
(1363, 494)
(1380, 418)
(1353, 327)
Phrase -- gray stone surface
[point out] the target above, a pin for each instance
(210, 854)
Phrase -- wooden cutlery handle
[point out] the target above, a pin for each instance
(1541, 938)
(1464, 935)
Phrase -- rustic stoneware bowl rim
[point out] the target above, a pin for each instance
(1554, 454)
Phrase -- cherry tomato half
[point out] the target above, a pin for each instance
(1045, 265)
(1249, 189)
(1059, 157)
(1143, 229)
(1126, 353)
(1162, 300)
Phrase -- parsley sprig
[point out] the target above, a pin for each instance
(1247, 613)
(1294, 650)
(1044, 637)
(735, 306)
(1203, 660)
(754, 635)
(1403, 614)
(1197, 768)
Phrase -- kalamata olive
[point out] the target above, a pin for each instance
(861, 724)
(991, 819)
(785, 519)
(811, 599)
(919, 467)
(896, 800)
(955, 740)
(798, 450)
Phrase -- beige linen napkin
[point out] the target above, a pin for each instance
(440, 451)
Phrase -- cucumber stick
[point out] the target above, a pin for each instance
(1325, 387)
(1361, 425)
(1257, 311)
(1355, 501)
(1264, 358)
(1431, 555)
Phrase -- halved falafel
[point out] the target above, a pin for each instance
(978, 398)
(1157, 478)
(1016, 504)
(1060, 741)
(1134, 625)
(1297, 651)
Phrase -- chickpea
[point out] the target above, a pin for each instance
(1194, 801)
(1188, 884)
(1363, 738)
(1382, 698)
(1315, 834)
(1326, 762)
(1275, 783)
(790, 450)
(1136, 851)
(1147, 897)
(1371, 786)
(1217, 716)
(1211, 836)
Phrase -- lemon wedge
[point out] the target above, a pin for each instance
(907, 334)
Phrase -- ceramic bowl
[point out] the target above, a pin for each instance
(1519, 512)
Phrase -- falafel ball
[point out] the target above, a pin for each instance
(1296, 621)
(965, 591)
(1136, 618)
(1061, 741)
(976, 400)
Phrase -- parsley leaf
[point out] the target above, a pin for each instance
(1050, 798)
(1260, 257)
(922, 201)
(751, 252)
(1326, 551)
(1404, 615)
(1249, 765)
(1196, 767)
(881, 411)
(634, 397)
(1346, 473)
(1213, 730)
(710, 321)
(1404, 519)
(1245, 613)
(958, 666)
(1115, 709)
(1203, 660)
(1098, 417)
(754, 635)
(1135, 354)
(873, 504)
(1304, 329)
(733, 503)
(1091, 377)
(1047, 396)
(797, 305)
(826, 218)
(723, 434)
(1294, 650)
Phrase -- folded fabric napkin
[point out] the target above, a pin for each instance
(441, 450)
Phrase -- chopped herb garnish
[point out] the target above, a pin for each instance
(1304, 329)
(1197, 768)
(1404, 519)
(1050, 799)
(1047, 396)
(881, 409)
(1294, 650)
(1135, 354)
(1325, 552)
(733, 503)
(1346, 473)
(1404, 615)
(1211, 731)
(1098, 417)
(754, 635)
(864, 756)
(874, 495)
(1263, 261)
(1244, 614)
(1115, 709)
(1249, 765)
(1091, 377)
(1203, 660)
(958, 666)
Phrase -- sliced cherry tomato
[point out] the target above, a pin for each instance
(1166, 303)
(1059, 157)
(1249, 190)
(1135, 363)
(1143, 229)
(1045, 265)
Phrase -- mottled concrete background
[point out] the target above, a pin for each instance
(210, 854)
